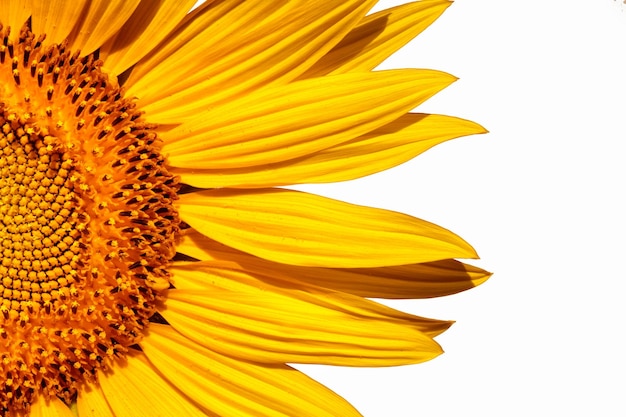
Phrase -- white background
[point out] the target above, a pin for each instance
(540, 198)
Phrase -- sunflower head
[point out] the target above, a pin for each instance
(150, 259)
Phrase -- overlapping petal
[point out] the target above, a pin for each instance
(280, 43)
(100, 21)
(424, 280)
(92, 403)
(303, 229)
(150, 23)
(136, 389)
(258, 317)
(202, 31)
(378, 36)
(381, 149)
(283, 123)
(246, 277)
(229, 387)
(55, 18)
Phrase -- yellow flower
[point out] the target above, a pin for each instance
(149, 261)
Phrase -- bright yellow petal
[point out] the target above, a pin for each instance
(53, 407)
(92, 403)
(135, 389)
(230, 387)
(212, 23)
(200, 247)
(56, 18)
(243, 47)
(378, 36)
(303, 229)
(150, 23)
(14, 14)
(246, 276)
(425, 280)
(102, 20)
(291, 121)
(265, 319)
(384, 148)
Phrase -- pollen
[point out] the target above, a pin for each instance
(87, 223)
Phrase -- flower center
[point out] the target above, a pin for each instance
(87, 224)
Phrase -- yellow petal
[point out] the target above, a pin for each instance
(92, 403)
(150, 23)
(101, 21)
(52, 407)
(14, 14)
(55, 18)
(303, 229)
(243, 47)
(135, 389)
(263, 318)
(200, 247)
(384, 148)
(378, 36)
(212, 23)
(425, 280)
(230, 387)
(244, 275)
(291, 121)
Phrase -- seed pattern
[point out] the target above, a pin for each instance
(87, 223)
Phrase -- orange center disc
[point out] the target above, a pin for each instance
(87, 224)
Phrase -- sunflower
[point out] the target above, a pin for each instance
(152, 265)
